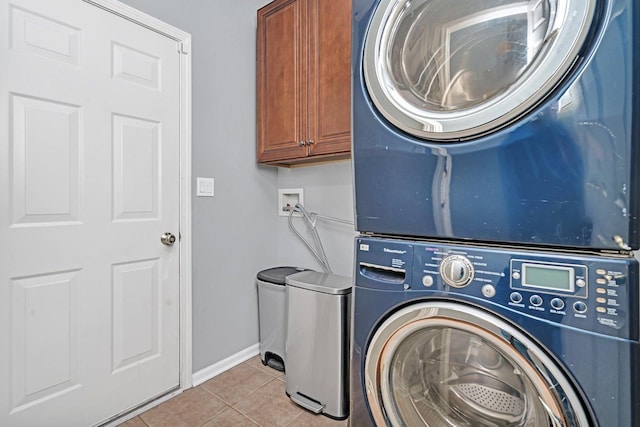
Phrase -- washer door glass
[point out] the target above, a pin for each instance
(445, 71)
(450, 365)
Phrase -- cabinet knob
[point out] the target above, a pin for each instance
(301, 144)
(310, 142)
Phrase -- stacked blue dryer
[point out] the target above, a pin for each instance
(495, 153)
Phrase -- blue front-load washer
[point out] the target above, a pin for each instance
(453, 335)
(505, 121)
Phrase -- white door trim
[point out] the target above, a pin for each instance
(184, 40)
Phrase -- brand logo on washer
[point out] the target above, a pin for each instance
(394, 251)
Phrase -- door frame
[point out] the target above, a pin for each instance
(183, 44)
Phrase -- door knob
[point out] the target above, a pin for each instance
(168, 239)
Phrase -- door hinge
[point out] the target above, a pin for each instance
(183, 48)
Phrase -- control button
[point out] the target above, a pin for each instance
(557, 303)
(580, 307)
(601, 300)
(535, 300)
(601, 281)
(580, 283)
(456, 271)
(601, 309)
(427, 281)
(601, 271)
(515, 275)
(516, 297)
(601, 290)
(489, 291)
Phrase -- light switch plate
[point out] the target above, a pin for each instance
(204, 187)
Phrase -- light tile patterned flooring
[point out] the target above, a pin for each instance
(249, 394)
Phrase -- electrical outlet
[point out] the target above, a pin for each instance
(287, 199)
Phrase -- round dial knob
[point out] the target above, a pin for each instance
(456, 271)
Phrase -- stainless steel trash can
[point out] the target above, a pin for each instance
(272, 313)
(317, 343)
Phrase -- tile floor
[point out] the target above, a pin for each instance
(249, 394)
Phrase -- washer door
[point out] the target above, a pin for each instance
(447, 364)
(447, 72)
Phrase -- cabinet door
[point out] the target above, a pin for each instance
(329, 76)
(279, 85)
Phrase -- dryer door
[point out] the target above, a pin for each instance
(447, 364)
(447, 72)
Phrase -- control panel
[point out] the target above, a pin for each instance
(589, 292)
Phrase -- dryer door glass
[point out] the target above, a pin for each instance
(443, 71)
(450, 365)
(466, 380)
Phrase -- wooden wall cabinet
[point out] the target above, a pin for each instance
(304, 81)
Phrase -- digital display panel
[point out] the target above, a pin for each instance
(547, 277)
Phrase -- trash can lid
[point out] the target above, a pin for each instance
(326, 283)
(277, 275)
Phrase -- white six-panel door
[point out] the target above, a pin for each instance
(89, 180)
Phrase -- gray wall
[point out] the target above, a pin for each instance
(238, 232)
(327, 191)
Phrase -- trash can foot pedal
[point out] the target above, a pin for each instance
(307, 403)
(275, 364)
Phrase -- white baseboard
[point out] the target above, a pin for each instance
(225, 364)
